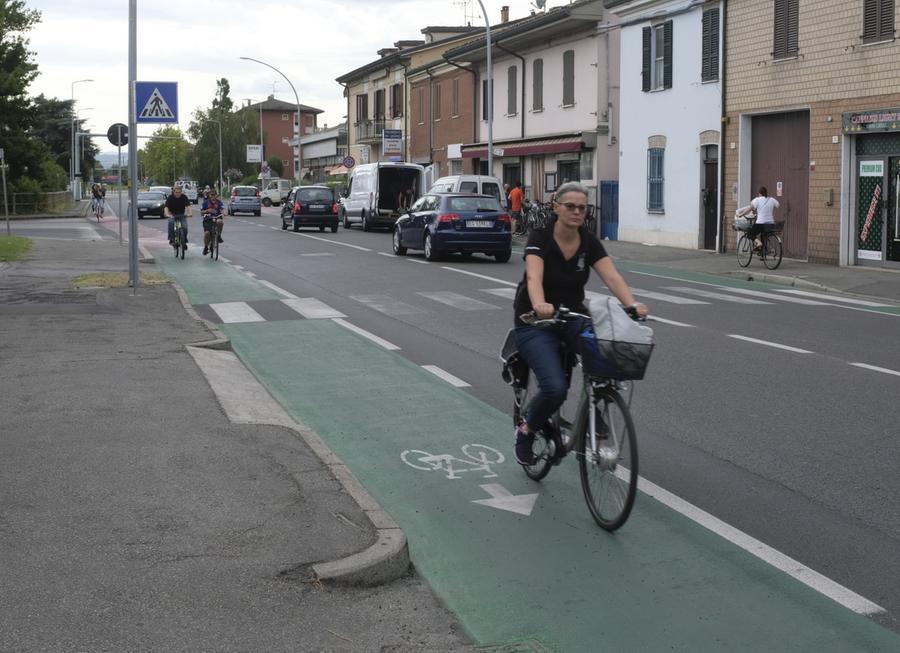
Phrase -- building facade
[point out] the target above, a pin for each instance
(671, 99)
(813, 113)
(323, 152)
(280, 130)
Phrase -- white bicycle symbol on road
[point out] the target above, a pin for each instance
(478, 457)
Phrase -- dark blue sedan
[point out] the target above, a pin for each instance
(444, 223)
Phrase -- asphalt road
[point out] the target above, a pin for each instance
(794, 445)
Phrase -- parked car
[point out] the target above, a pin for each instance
(372, 198)
(310, 206)
(244, 199)
(442, 223)
(479, 184)
(165, 190)
(151, 203)
(275, 191)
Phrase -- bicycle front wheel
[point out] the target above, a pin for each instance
(772, 251)
(744, 250)
(609, 470)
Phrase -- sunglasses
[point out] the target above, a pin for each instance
(571, 206)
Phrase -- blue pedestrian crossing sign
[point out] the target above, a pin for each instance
(156, 102)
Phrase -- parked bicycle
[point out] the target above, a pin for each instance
(602, 433)
(534, 216)
(180, 236)
(769, 252)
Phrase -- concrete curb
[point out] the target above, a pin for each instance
(386, 559)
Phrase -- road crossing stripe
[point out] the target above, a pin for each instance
(768, 343)
(834, 298)
(333, 242)
(672, 299)
(656, 318)
(508, 293)
(768, 295)
(876, 368)
(446, 376)
(311, 308)
(386, 304)
(480, 276)
(235, 312)
(281, 291)
(365, 334)
(716, 295)
(460, 302)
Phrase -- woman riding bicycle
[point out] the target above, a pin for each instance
(212, 211)
(764, 206)
(558, 260)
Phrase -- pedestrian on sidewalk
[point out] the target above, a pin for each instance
(516, 196)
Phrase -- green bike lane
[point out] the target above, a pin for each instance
(660, 583)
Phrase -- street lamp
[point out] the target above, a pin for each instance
(221, 187)
(262, 145)
(490, 91)
(299, 173)
(74, 153)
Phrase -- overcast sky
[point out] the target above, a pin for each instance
(195, 42)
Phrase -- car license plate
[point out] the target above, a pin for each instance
(479, 224)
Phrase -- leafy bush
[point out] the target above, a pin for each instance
(53, 177)
(25, 184)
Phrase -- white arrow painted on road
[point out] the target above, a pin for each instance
(505, 500)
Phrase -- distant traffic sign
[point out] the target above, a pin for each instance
(348, 162)
(156, 102)
(118, 134)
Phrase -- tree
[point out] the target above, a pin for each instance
(53, 126)
(276, 165)
(166, 155)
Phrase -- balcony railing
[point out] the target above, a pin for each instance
(369, 130)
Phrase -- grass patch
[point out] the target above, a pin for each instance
(13, 248)
(118, 279)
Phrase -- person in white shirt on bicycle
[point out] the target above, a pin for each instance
(764, 207)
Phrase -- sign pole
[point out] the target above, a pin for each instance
(132, 147)
(5, 203)
(120, 187)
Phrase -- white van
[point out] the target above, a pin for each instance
(372, 198)
(189, 188)
(480, 184)
(275, 191)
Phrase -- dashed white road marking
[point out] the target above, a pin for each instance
(334, 242)
(386, 304)
(446, 376)
(311, 308)
(768, 343)
(506, 293)
(875, 368)
(716, 295)
(365, 334)
(457, 301)
(419, 261)
(656, 318)
(834, 298)
(768, 295)
(386, 254)
(235, 312)
(281, 291)
(672, 299)
(480, 276)
(319, 254)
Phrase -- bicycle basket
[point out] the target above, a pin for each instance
(742, 223)
(617, 347)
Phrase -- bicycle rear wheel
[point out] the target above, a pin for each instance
(744, 250)
(609, 472)
(544, 447)
(772, 251)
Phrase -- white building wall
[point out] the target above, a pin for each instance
(680, 114)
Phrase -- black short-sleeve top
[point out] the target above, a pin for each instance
(564, 280)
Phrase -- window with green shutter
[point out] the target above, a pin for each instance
(786, 44)
(878, 20)
(512, 78)
(656, 73)
(710, 52)
(568, 78)
(537, 85)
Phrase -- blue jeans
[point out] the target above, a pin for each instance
(172, 227)
(540, 347)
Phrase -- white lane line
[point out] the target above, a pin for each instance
(457, 301)
(876, 368)
(590, 294)
(272, 228)
(419, 261)
(656, 318)
(311, 308)
(834, 298)
(764, 552)
(280, 291)
(365, 334)
(672, 299)
(334, 242)
(320, 254)
(235, 312)
(506, 293)
(222, 258)
(767, 343)
(446, 376)
(716, 295)
(387, 254)
(481, 276)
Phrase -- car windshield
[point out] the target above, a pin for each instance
(472, 204)
(151, 196)
(315, 195)
(245, 191)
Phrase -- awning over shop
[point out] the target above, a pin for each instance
(526, 148)
(338, 170)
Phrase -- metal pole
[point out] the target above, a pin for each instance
(490, 92)
(299, 173)
(221, 187)
(119, 129)
(5, 204)
(133, 276)
(262, 147)
(74, 149)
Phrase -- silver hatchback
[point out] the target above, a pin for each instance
(245, 199)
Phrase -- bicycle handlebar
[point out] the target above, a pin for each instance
(563, 315)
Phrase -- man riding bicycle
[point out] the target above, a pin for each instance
(177, 206)
(212, 211)
(558, 261)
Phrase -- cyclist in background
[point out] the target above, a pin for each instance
(177, 205)
(764, 206)
(97, 199)
(213, 222)
(558, 262)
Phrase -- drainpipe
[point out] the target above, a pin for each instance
(723, 125)
(430, 115)
(405, 114)
(349, 126)
(474, 97)
(522, 101)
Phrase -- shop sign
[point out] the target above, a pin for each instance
(880, 120)
(871, 168)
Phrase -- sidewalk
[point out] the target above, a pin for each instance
(139, 510)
